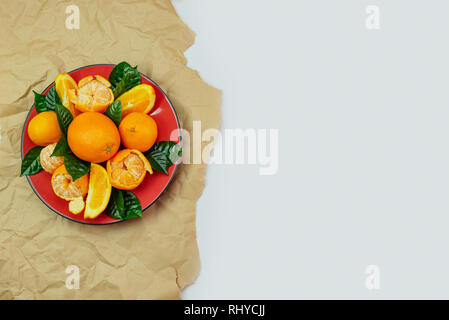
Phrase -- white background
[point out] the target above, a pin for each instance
(364, 165)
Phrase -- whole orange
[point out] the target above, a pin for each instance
(138, 131)
(93, 137)
(44, 129)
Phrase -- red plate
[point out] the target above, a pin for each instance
(152, 186)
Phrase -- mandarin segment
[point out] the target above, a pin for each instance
(76, 205)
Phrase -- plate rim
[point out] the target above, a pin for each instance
(163, 190)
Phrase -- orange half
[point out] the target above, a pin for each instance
(127, 169)
(141, 98)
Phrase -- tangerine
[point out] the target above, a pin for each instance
(138, 131)
(44, 129)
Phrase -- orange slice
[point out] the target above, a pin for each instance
(127, 169)
(93, 94)
(64, 186)
(141, 98)
(99, 192)
(64, 83)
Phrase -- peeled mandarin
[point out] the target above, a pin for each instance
(64, 186)
(49, 163)
(127, 169)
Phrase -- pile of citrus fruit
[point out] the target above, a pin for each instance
(95, 138)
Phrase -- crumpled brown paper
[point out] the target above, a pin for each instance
(150, 258)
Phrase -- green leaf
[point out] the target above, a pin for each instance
(133, 208)
(174, 151)
(123, 205)
(76, 167)
(123, 77)
(39, 102)
(52, 98)
(118, 73)
(61, 148)
(158, 160)
(31, 163)
(116, 205)
(114, 112)
(64, 117)
(163, 154)
(130, 80)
